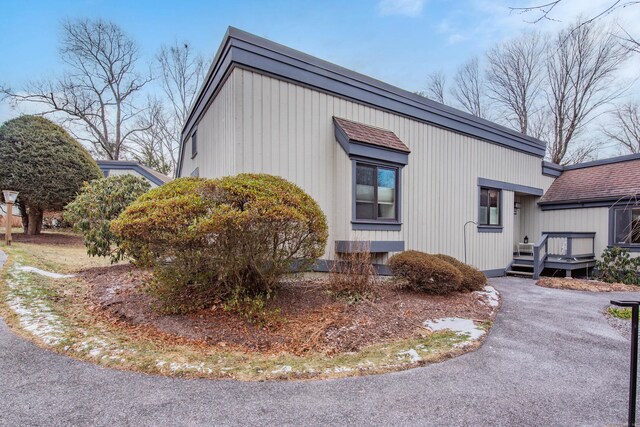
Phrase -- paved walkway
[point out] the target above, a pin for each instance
(551, 359)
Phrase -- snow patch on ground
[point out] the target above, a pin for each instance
(282, 370)
(491, 295)
(464, 327)
(29, 269)
(34, 314)
(412, 353)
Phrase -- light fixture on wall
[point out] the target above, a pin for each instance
(516, 206)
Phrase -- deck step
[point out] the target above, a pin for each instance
(527, 266)
(520, 273)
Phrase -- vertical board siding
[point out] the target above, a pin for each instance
(285, 129)
(216, 136)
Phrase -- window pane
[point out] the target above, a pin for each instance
(386, 193)
(623, 226)
(365, 194)
(484, 206)
(494, 207)
(635, 226)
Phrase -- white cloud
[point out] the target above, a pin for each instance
(401, 7)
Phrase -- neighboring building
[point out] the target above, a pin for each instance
(124, 167)
(386, 166)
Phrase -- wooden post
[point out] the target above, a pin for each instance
(7, 234)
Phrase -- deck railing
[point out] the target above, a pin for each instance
(563, 246)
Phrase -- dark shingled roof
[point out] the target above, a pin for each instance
(599, 182)
(357, 132)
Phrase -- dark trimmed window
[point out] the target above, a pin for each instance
(194, 144)
(376, 193)
(490, 207)
(626, 226)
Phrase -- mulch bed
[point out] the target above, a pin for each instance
(313, 320)
(46, 238)
(585, 285)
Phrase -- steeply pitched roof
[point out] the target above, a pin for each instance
(358, 132)
(151, 174)
(242, 49)
(603, 180)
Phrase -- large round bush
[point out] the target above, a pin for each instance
(426, 272)
(472, 278)
(98, 203)
(208, 239)
(45, 164)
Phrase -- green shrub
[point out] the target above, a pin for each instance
(426, 272)
(208, 239)
(98, 203)
(617, 266)
(45, 164)
(472, 278)
(620, 313)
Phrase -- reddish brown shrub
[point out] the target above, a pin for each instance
(472, 278)
(426, 272)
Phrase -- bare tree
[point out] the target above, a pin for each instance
(515, 71)
(624, 129)
(181, 74)
(436, 84)
(545, 10)
(469, 88)
(156, 146)
(96, 95)
(581, 71)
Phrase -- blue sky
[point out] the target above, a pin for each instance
(397, 41)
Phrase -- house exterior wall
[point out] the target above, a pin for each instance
(578, 220)
(258, 123)
(216, 139)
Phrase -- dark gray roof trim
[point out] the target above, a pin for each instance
(583, 204)
(353, 148)
(551, 169)
(618, 159)
(491, 183)
(153, 176)
(246, 50)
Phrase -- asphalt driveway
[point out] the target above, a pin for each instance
(551, 359)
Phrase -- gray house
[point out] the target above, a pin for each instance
(388, 166)
(127, 167)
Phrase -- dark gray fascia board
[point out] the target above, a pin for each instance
(105, 167)
(374, 246)
(353, 148)
(491, 183)
(608, 161)
(583, 204)
(249, 51)
(551, 169)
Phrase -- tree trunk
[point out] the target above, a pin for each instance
(25, 217)
(35, 221)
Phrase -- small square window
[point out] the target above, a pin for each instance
(376, 193)
(627, 226)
